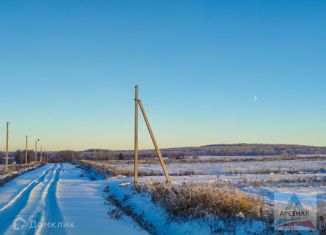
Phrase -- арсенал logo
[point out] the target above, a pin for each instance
(295, 213)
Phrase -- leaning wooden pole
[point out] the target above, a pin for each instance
(7, 146)
(158, 151)
(136, 138)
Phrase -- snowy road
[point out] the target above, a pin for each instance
(55, 199)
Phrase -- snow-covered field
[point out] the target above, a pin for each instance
(243, 167)
(68, 199)
(240, 173)
(159, 222)
(207, 157)
(265, 178)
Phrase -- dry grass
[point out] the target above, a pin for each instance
(106, 167)
(14, 171)
(277, 170)
(114, 171)
(198, 201)
(15, 168)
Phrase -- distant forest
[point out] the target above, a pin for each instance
(177, 153)
(208, 150)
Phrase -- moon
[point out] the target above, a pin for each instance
(255, 98)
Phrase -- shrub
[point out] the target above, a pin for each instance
(198, 201)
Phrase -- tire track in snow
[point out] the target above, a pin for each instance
(32, 213)
(35, 211)
(51, 211)
(11, 209)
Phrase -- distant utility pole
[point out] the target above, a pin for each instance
(41, 154)
(26, 146)
(7, 146)
(35, 155)
(44, 156)
(73, 157)
(157, 149)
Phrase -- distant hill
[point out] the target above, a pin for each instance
(206, 150)
(249, 149)
(215, 150)
(97, 151)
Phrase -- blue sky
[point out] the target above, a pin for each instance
(68, 68)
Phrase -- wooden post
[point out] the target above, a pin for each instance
(136, 138)
(74, 158)
(26, 149)
(158, 151)
(35, 154)
(41, 154)
(7, 146)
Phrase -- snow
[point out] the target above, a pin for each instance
(66, 194)
(158, 219)
(56, 194)
(81, 201)
(209, 157)
(12, 188)
(216, 168)
(255, 177)
(121, 188)
(264, 177)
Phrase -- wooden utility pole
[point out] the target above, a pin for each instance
(41, 154)
(7, 146)
(75, 159)
(35, 156)
(26, 146)
(157, 149)
(136, 138)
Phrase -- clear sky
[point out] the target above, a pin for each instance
(209, 72)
